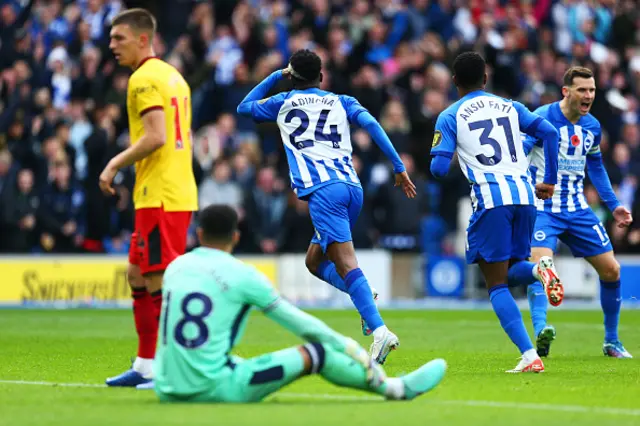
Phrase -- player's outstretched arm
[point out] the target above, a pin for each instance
(154, 138)
(253, 105)
(602, 183)
(312, 329)
(371, 125)
(258, 292)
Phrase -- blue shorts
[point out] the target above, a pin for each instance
(581, 231)
(500, 234)
(334, 210)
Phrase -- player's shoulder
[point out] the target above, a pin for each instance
(157, 71)
(450, 112)
(592, 123)
(546, 111)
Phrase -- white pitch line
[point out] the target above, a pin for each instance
(338, 397)
(68, 385)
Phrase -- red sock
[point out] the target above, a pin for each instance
(144, 314)
(156, 297)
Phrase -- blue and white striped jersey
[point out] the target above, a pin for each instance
(576, 142)
(485, 131)
(315, 130)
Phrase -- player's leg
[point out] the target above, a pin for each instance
(145, 322)
(539, 274)
(492, 251)
(256, 378)
(319, 265)
(548, 228)
(588, 238)
(342, 253)
(333, 209)
(608, 270)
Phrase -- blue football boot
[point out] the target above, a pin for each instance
(129, 378)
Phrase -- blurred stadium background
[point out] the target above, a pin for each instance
(63, 116)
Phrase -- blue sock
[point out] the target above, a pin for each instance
(362, 298)
(510, 317)
(521, 273)
(610, 301)
(327, 272)
(538, 306)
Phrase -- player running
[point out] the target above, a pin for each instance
(315, 129)
(568, 216)
(484, 130)
(207, 298)
(165, 193)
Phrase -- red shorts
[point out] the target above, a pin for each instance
(158, 239)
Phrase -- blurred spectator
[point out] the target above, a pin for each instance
(19, 207)
(220, 189)
(298, 228)
(265, 207)
(61, 210)
(398, 217)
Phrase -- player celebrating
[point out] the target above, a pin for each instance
(165, 193)
(207, 297)
(568, 216)
(484, 130)
(315, 130)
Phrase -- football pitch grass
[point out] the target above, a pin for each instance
(53, 364)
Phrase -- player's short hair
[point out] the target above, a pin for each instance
(574, 72)
(218, 222)
(137, 18)
(306, 66)
(469, 70)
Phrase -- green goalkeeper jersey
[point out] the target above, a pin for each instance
(207, 295)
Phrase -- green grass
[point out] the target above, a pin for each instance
(84, 346)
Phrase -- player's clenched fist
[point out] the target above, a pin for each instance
(544, 191)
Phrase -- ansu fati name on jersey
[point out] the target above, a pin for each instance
(484, 130)
(468, 111)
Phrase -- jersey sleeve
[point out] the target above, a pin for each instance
(529, 121)
(352, 107)
(445, 135)
(595, 148)
(528, 142)
(146, 95)
(267, 109)
(258, 291)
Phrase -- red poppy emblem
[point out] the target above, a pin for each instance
(575, 140)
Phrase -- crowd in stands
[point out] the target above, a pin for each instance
(63, 107)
